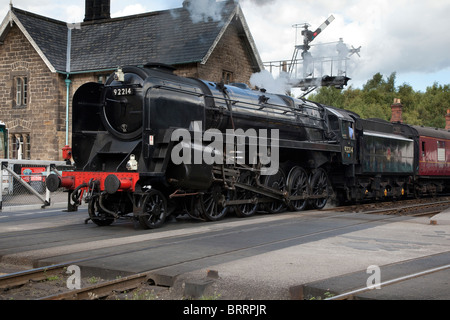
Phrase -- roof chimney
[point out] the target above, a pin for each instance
(397, 110)
(97, 10)
(447, 120)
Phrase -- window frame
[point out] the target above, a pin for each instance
(25, 140)
(20, 90)
(227, 76)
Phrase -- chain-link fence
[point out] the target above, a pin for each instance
(22, 183)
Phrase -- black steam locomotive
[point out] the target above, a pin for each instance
(149, 144)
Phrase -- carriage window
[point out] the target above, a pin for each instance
(441, 151)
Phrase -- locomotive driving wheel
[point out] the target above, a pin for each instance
(277, 182)
(298, 185)
(154, 210)
(320, 189)
(211, 204)
(99, 216)
(246, 209)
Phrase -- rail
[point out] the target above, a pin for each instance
(22, 182)
(351, 294)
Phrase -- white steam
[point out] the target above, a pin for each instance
(265, 80)
(205, 10)
(258, 2)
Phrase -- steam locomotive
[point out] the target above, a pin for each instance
(149, 144)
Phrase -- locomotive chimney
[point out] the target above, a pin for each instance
(97, 10)
(447, 120)
(397, 110)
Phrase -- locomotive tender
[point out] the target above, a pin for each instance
(127, 133)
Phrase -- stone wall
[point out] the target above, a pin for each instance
(42, 117)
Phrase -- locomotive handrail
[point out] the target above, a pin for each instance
(178, 90)
(239, 104)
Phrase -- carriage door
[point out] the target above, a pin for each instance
(348, 142)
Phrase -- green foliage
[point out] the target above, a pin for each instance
(374, 100)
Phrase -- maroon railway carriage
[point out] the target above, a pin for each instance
(433, 159)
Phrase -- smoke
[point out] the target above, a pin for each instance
(266, 80)
(258, 2)
(205, 10)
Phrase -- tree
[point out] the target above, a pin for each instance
(434, 105)
(374, 100)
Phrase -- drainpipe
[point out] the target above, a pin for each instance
(70, 27)
(68, 83)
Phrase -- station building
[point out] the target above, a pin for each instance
(43, 61)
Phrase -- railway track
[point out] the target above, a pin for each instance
(97, 291)
(102, 290)
(425, 206)
(354, 293)
(40, 274)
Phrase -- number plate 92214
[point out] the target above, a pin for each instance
(118, 92)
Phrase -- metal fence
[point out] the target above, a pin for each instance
(22, 183)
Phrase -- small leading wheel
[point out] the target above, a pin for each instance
(277, 182)
(298, 185)
(319, 187)
(154, 210)
(211, 207)
(98, 215)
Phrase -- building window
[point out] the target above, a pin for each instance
(102, 78)
(227, 77)
(21, 146)
(21, 91)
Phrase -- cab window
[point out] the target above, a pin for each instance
(348, 130)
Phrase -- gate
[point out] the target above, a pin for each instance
(22, 182)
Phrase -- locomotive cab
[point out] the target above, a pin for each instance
(342, 127)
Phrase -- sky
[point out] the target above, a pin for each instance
(409, 37)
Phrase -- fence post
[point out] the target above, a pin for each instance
(48, 200)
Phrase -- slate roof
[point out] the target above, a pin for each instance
(51, 34)
(168, 36)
